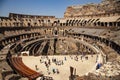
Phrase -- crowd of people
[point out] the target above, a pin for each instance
(50, 61)
(47, 61)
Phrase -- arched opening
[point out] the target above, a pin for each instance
(114, 23)
(21, 24)
(42, 20)
(118, 24)
(94, 23)
(58, 21)
(35, 24)
(66, 24)
(14, 24)
(17, 24)
(5, 24)
(70, 22)
(85, 22)
(105, 24)
(9, 24)
(63, 24)
(55, 32)
(60, 24)
(110, 24)
(76, 21)
(48, 20)
(29, 24)
(45, 31)
(98, 23)
(102, 24)
(73, 21)
(55, 23)
(67, 21)
(39, 21)
(0, 24)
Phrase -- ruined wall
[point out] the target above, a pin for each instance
(106, 6)
(15, 20)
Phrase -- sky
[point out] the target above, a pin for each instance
(39, 7)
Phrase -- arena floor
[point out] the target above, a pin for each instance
(81, 64)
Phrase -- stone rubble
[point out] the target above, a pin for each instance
(109, 69)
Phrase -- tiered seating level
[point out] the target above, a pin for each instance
(22, 69)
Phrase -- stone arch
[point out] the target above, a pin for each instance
(102, 23)
(114, 23)
(70, 22)
(14, 24)
(17, 24)
(35, 24)
(67, 21)
(118, 24)
(29, 24)
(0, 24)
(6, 24)
(67, 24)
(42, 21)
(85, 22)
(105, 24)
(73, 21)
(76, 22)
(10, 24)
(58, 21)
(39, 21)
(110, 24)
(49, 20)
(98, 23)
(60, 24)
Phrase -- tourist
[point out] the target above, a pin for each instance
(86, 57)
(53, 71)
(81, 57)
(48, 72)
(57, 71)
(65, 58)
(98, 66)
(62, 62)
(36, 67)
(40, 61)
(49, 62)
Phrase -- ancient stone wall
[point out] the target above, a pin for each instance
(104, 15)
(15, 20)
(105, 7)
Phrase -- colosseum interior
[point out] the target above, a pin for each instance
(83, 45)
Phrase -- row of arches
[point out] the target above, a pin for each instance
(14, 34)
(82, 22)
(13, 39)
(15, 22)
(107, 42)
